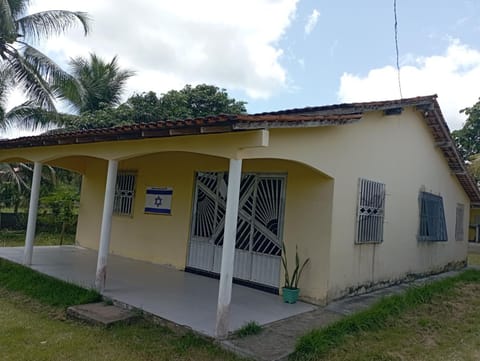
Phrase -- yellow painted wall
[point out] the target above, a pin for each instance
(91, 203)
(398, 151)
(164, 239)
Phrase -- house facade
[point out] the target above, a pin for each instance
(372, 193)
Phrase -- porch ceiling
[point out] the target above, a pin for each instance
(184, 298)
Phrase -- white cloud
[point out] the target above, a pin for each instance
(15, 97)
(312, 21)
(454, 76)
(232, 44)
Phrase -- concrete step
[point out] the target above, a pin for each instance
(101, 314)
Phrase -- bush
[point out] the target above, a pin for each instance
(13, 221)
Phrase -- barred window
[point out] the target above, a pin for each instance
(124, 194)
(370, 211)
(459, 227)
(432, 218)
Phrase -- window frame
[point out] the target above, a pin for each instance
(124, 185)
(370, 216)
(432, 221)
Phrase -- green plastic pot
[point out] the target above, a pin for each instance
(290, 295)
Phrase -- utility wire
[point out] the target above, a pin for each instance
(396, 48)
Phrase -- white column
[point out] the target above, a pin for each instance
(32, 213)
(106, 225)
(228, 253)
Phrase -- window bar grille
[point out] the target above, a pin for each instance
(370, 212)
(124, 194)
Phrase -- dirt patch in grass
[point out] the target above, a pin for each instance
(447, 328)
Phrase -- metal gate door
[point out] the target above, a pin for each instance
(259, 229)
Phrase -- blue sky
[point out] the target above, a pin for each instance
(263, 52)
(357, 36)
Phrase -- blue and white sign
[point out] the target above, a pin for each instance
(158, 200)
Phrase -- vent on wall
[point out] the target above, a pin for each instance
(393, 111)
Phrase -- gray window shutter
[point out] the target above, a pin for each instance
(459, 221)
(432, 218)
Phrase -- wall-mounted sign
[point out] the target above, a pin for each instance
(158, 200)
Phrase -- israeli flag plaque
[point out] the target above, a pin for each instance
(158, 200)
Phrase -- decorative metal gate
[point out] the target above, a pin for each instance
(259, 229)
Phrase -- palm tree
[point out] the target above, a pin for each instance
(15, 181)
(6, 83)
(26, 115)
(95, 84)
(32, 70)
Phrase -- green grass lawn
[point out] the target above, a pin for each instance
(447, 328)
(33, 326)
(30, 330)
(440, 321)
(17, 239)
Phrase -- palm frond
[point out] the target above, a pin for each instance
(50, 174)
(30, 80)
(117, 80)
(70, 89)
(25, 167)
(46, 67)
(53, 22)
(6, 83)
(29, 116)
(100, 83)
(11, 173)
(7, 24)
(18, 7)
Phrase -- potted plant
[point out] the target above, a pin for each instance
(290, 289)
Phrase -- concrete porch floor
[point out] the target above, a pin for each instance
(184, 298)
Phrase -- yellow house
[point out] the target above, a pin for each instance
(474, 230)
(373, 193)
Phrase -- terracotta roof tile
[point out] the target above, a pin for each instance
(329, 115)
